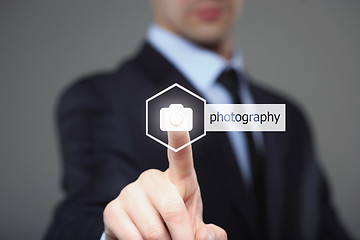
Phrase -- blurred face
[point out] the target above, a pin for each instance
(205, 22)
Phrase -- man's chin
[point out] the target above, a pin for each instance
(206, 36)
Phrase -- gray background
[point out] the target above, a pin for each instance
(308, 49)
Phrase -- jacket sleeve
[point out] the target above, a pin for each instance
(331, 227)
(94, 169)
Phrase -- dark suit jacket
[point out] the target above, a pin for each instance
(101, 122)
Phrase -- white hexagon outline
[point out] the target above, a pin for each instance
(147, 120)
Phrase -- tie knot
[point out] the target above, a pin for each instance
(229, 79)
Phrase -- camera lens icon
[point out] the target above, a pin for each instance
(176, 118)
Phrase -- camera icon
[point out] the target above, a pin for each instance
(176, 118)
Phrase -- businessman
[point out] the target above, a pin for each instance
(120, 184)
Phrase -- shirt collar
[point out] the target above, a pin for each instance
(199, 65)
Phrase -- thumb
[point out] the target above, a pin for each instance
(181, 163)
(210, 232)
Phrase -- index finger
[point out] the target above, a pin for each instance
(181, 163)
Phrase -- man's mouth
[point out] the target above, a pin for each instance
(209, 13)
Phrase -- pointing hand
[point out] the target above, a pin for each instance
(162, 205)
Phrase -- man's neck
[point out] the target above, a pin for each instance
(224, 47)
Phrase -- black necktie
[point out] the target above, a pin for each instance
(230, 80)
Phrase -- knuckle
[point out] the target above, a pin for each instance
(173, 212)
(148, 175)
(127, 192)
(110, 210)
(155, 234)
